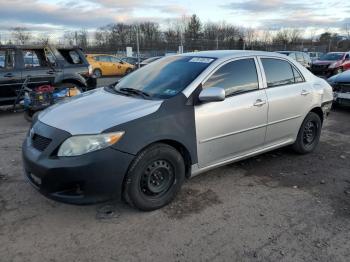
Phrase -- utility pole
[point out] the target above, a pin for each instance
(217, 42)
(138, 46)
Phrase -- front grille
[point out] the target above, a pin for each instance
(320, 66)
(40, 143)
(342, 87)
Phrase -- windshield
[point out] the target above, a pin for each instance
(166, 77)
(332, 56)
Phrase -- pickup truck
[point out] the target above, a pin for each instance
(44, 65)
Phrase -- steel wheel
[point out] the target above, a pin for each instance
(157, 178)
(310, 132)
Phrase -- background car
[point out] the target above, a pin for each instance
(108, 65)
(149, 60)
(44, 65)
(341, 88)
(133, 60)
(314, 55)
(331, 63)
(301, 57)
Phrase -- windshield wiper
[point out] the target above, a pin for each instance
(133, 91)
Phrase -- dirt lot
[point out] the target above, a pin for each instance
(275, 207)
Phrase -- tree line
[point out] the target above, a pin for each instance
(190, 33)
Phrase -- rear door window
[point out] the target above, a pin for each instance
(235, 77)
(278, 72)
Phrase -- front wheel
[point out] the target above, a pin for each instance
(154, 178)
(97, 73)
(309, 134)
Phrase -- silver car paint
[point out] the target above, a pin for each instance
(95, 111)
(223, 132)
(227, 131)
(287, 108)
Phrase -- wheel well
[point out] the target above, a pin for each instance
(183, 151)
(319, 112)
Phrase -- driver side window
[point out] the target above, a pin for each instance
(235, 77)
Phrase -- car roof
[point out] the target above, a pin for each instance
(230, 53)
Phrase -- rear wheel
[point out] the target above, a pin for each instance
(97, 73)
(309, 134)
(154, 177)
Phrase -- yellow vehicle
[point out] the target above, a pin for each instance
(108, 65)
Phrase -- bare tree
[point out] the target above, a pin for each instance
(21, 35)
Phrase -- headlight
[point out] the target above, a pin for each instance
(334, 65)
(79, 145)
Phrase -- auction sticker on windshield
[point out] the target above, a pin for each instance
(201, 60)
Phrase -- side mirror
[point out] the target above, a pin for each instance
(212, 94)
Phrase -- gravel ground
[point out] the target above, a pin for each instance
(275, 207)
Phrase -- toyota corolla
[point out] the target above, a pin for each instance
(180, 116)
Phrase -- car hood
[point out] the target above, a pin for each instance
(323, 62)
(95, 111)
(340, 78)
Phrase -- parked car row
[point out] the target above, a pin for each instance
(326, 65)
(108, 65)
(301, 57)
(331, 63)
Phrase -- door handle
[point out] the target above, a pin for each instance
(259, 102)
(305, 92)
(9, 75)
(50, 72)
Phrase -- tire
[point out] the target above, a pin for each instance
(154, 177)
(309, 134)
(97, 73)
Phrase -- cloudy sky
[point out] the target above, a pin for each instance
(51, 15)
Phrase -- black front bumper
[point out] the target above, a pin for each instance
(90, 178)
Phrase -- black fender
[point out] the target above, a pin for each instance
(173, 122)
(71, 78)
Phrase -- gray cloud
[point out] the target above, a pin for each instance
(269, 6)
(77, 15)
(276, 14)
